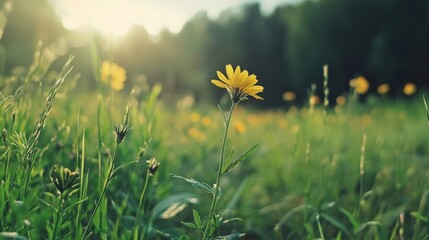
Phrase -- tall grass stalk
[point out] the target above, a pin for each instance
(140, 209)
(362, 166)
(30, 151)
(103, 191)
(426, 108)
(325, 92)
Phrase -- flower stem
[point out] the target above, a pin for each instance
(221, 159)
(140, 211)
(57, 217)
(103, 192)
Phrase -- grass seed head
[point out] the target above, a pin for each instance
(121, 131)
(152, 165)
(65, 180)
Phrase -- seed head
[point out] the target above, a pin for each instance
(121, 131)
(152, 165)
(65, 180)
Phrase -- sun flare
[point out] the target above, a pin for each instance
(113, 17)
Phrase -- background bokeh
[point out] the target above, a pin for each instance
(386, 41)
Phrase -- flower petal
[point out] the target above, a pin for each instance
(219, 83)
(223, 78)
(237, 73)
(250, 81)
(254, 90)
(242, 79)
(230, 74)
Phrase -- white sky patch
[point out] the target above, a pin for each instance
(116, 16)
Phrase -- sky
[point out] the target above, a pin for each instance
(116, 16)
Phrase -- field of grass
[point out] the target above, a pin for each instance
(75, 166)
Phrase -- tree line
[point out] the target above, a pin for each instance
(385, 40)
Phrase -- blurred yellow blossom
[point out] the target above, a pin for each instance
(239, 84)
(195, 133)
(409, 89)
(254, 119)
(239, 127)
(195, 117)
(289, 96)
(383, 88)
(314, 100)
(360, 85)
(341, 100)
(206, 121)
(114, 75)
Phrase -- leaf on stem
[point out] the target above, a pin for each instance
(230, 165)
(222, 113)
(199, 185)
(197, 218)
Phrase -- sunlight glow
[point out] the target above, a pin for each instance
(115, 17)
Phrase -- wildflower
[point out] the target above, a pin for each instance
(206, 121)
(341, 100)
(153, 165)
(383, 88)
(289, 96)
(254, 119)
(360, 84)
(314, 100)
(113, 75)
(195, 133)
(121, 131)
(65, 180)
(409, 89)
(238, 84)
(240, 127)
(195, 117)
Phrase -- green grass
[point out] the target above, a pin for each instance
(304, 181)
(357, 171)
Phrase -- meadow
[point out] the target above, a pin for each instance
(112, 165)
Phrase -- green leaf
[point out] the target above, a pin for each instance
(243, 157)
(222, 114)
(419, 216)
(177, 199)
(336, 223)
(230, 220)
(184, 237)
(426, 107)
(231, 236)
(199, 185)
(351, 218)
(369, 224)
(190, 225)
(122, 166)
(197, 218)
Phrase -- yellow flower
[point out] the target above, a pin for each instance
(360, 84)
(239, 127)
(289, 96)
(206, 121)
(113, 75)
(314, 100)
(341, 100)
(238, 84)
(195, 133)
(195, 117)
(383, 88)
(409, 89)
